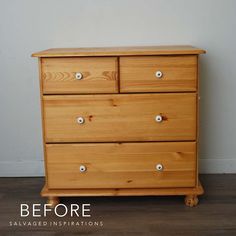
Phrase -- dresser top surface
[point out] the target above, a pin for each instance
(120, 51)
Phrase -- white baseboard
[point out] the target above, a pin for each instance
(36, 168)
(217, 166)
(21, 169)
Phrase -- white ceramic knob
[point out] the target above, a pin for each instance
(80, 120)
(159, 74)
(82, 168)
(158, 118)
(78, 75)
(159, 167)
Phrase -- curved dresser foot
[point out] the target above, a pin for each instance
(53, 201)
(191, 200)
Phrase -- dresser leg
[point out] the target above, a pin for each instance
(191, 200)
(53, 201)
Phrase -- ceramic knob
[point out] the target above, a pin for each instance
(78, 75)
(82, 168)
(159, 167)
(158, 118)
(80, 120)
(159, 74)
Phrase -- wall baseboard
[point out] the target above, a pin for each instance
(22, 169)
(36, 168)
(217, 166)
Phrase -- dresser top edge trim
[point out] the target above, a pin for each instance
(120, 51)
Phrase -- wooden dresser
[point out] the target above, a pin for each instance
(120, 121)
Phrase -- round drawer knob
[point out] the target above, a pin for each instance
(78, 75)
(158, 118)
(80, 120)
(159, 74)
(82, 168)
(159, 167)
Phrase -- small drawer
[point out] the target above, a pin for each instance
(79, 75)
(124, 165)
(117, 118)
(158, 73)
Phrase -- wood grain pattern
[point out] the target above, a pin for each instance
(137, 73)
(133, 216)
(123, 117)
(100, 75)
(120, 51)
(197, 120)
(119, 140)
(124, 165)
(42, 118)
(198, 190)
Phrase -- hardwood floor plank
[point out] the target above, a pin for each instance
(215, 214)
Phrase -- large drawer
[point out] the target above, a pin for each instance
(158, 73)
(79, 75)
(123, 117)
(123, 165)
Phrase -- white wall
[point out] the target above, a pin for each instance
(27, 26)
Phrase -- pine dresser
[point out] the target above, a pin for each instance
(120, 121)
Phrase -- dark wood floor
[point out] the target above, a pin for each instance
(215, 215)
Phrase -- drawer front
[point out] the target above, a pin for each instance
(124, 165)
(123, 117)
(158, 73)
(79, 75)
